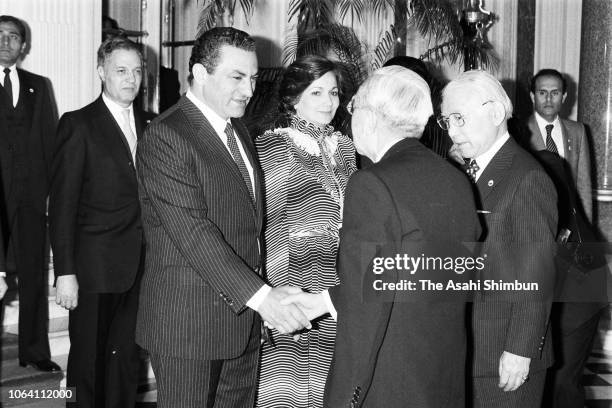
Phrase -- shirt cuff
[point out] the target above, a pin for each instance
(330, 306)
(257, 299)
(2, 274)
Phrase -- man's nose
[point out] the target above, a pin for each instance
(248, 88)
(131, 77)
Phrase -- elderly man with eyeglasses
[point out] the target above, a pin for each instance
(511, 349)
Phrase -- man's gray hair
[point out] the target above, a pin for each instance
(399, 96)
(484, 85)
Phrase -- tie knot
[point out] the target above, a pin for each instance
(471, 167)
(549, 129)
(7, 71)
(229, 130)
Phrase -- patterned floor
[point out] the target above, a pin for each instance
(598, 380)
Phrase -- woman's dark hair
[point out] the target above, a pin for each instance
(298, 76)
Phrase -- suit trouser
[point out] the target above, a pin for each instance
(486, 393)
(186, 383)
(572, 349)
(103, 363)
(27, 247)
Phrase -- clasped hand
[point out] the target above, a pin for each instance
(288, 309)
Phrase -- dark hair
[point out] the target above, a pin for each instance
(298, 76)
(116, 43)
(415, 65)
(548, 72)
(207, 47)
(20, 26)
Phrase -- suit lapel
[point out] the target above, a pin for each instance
(570, 144)
(113, 136)
(496, 171)
(27, 96)
(207, 139)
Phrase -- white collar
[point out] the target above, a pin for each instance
(115, 108)
(216, 121)
(543, 122)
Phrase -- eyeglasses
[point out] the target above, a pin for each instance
(455, 119)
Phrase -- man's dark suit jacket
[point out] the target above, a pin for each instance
(571, 283)
(94, 213)
(401, 349)
(518, 203)
(25, 161)
(203, 239)
(34, 95)
(577, 155)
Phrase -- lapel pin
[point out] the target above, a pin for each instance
(31, 90)
(490, 183)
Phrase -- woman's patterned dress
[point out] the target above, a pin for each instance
(306, 170)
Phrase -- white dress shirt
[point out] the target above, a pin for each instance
(14, 82)
(557, 134)
(219, 124)
(117, 111)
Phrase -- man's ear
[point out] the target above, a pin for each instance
(532, 97)
(101, 73)
(497, 112)
(564, 96)
(199, 73)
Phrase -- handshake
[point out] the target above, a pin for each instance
(288, 309)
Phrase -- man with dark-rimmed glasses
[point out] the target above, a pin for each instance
(517, 202)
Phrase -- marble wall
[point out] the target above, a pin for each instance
(595, 101)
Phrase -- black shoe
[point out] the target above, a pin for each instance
(42, 365)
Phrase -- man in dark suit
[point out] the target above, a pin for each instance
(581, 293)
(511, 346)
(409, 202)
(27, 130)
(200, 190)
(96, 232)
(565, 137)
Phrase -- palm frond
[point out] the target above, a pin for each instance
(311, 13)
(209, 14)
(379, 7)
(356, 9)
(290, 46)
(383, 48)
(247, 7)
(436, 20)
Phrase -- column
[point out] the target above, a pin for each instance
(63, 39)
(595, 110)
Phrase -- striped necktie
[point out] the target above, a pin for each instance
(550, 143)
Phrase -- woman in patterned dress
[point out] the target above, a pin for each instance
(306, 166)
